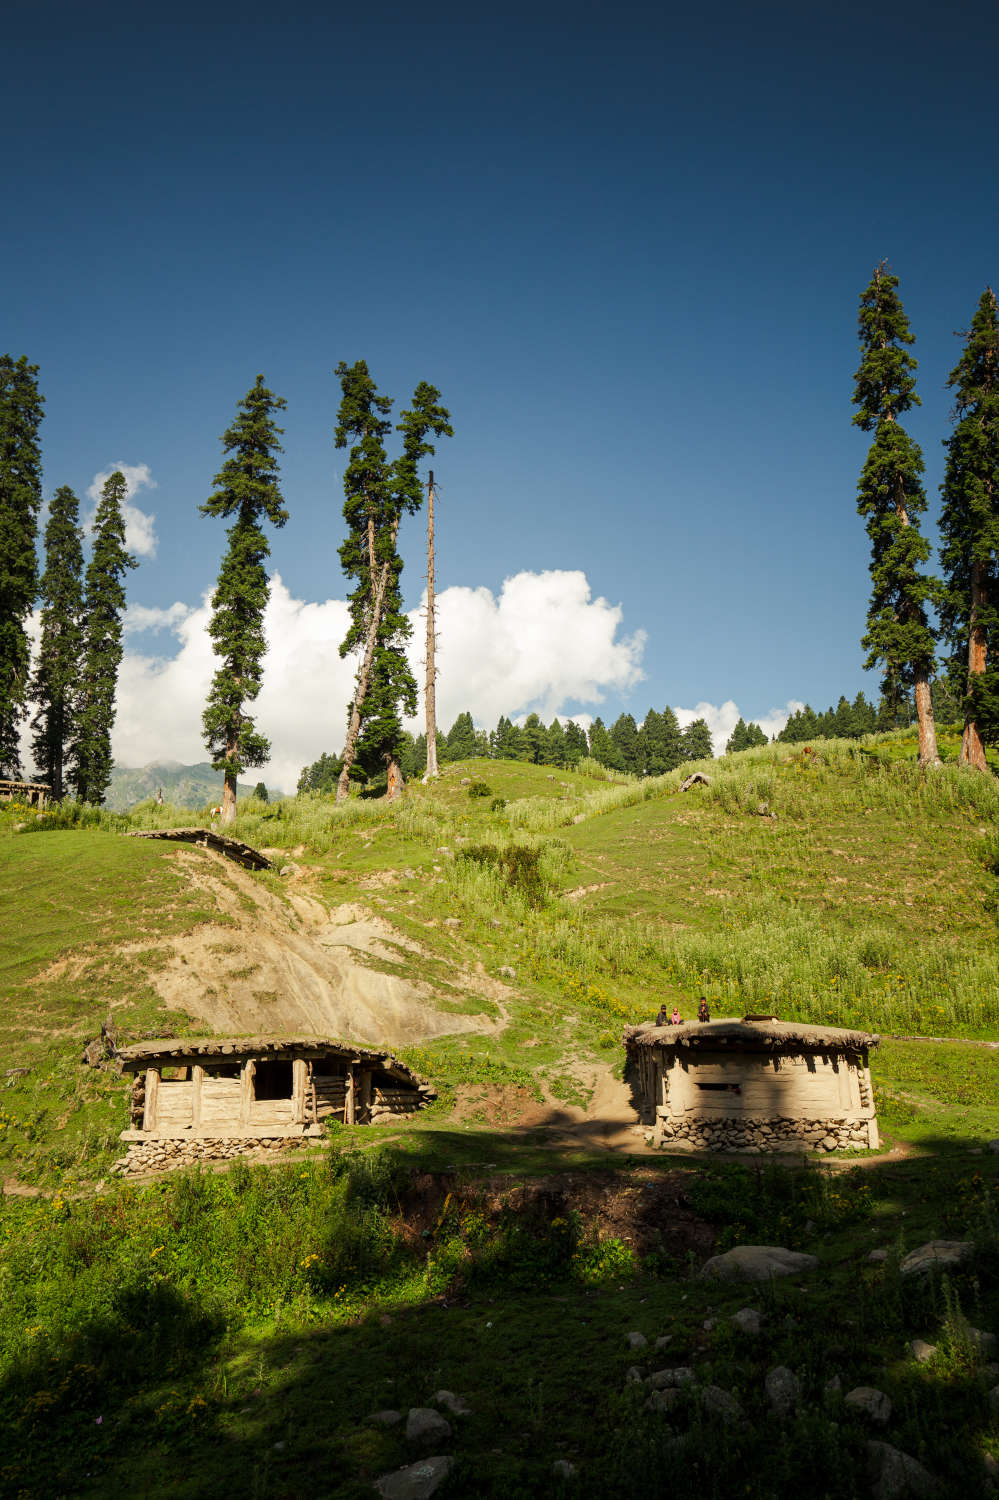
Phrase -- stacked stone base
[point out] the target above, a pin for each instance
(164, 1155)
(720, 1134)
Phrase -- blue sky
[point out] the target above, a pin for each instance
(626, 242)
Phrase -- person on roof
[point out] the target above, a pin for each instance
(703, 1014)
(676, 1019)
(662, 1019)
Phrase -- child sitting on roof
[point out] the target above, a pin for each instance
(703, 1014)
(662, 1019)
(676, 1019)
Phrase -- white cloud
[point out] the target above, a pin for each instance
(721, 721)
(146, 617)
(541, 643)
(140, 526)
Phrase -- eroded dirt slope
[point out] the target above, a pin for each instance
(287, 966)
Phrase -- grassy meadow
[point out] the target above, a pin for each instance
(211, 1329)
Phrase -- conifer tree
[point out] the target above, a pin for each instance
(891, 496)
(554, 753)
(696, 741)
(57, 670)
(624, 733)
(738, 739)
(460, 739)
(378, 494)
(602, 747)
(575, 743)
(969, 526)
(103, 607)
(20, 501)
(248, 490)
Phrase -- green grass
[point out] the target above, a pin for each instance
(216, 1333)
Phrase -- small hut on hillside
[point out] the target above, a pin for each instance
(259, 1088)
(753, 1084)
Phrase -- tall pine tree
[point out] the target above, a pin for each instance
(890, 496)
(247, 489)
(969, 526)
(378, 494)
(20, 501)
(103, 607)
(57, 669)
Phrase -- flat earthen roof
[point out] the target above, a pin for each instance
(750, 1035)
(220, 1049)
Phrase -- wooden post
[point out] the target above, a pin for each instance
(246, 1091)
(298, 1091)
(312, 1092)
(152, 1098)
(197, 1074)
(430, 692)
(348, 1108)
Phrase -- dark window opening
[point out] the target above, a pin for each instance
(722, 1088)
(223, 1070)
(272, 1080)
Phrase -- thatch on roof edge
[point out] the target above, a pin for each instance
(739, 1034)
(185, 1049)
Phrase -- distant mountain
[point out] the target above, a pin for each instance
(186, 786)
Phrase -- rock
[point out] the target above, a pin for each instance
(877, 1257)
(662, 1400)
(424, 1425)
(871, 1402)
(985, 1343)
(936, 1255)
(757, 1263)
(896, 1476)
(456, 1405)
(994, 1146)
(747, 1320)
(563, 1469)
(833, 1389)
(659, 1380)
(633, 1375)
(465, 781)
(635, 1340)
(416, 1482)
(921, 1351)
(452, 921)
(387, 1418)
(663, 1340)
(783, 1390)
(721, 1404)
(508, 972)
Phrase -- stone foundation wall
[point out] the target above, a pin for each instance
(721, 1134)
(163, 1155)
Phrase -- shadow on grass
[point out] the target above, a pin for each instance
(161, 1395)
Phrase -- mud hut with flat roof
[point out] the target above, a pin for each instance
(753, 1084)
(216, 1097)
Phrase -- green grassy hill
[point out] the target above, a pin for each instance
(214, 1330)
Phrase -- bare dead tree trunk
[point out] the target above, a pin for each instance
(430, 695)
(396, 780)
(972, 749)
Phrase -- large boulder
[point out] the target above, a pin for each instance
(897, 1476)
(426, 1426)
(757, 1263)
(416, 1481)
(936, 1255)
(783, 1390)
(871, 1403)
